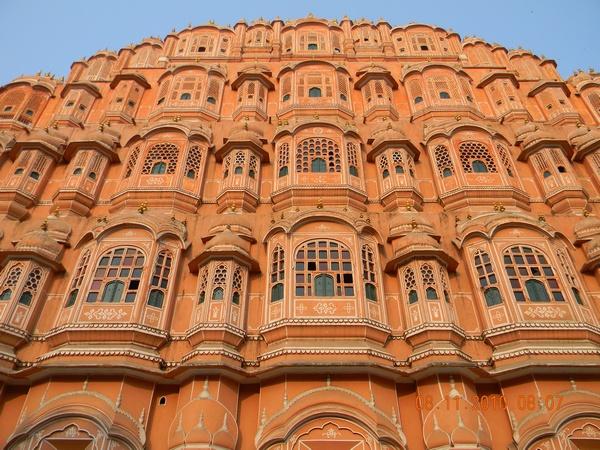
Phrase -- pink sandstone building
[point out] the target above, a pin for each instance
(311, 234)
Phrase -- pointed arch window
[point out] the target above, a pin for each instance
(410, 285)
(78, 278)
(369, 277)
(13, 274)
(322, 267)
(487, 278)
(219, 282)
(277, 273)
(160, 278)
(236, 286)
(314, 92)
(121, 268)
(531, 275)
(443, 161)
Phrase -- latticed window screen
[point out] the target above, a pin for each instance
(429, 283)
(505, 158)
(31, 286)
(32, 106)
(487, 278)
(161, 153)
(202, 286)
(212, 94)
(10, 102)
(443, 161)
(410, 285)
(531, 275)
(132, 161)
(472, 152)
(193, 162)
(160, 279)
(342, 82)
(352, 155)
(416, 92)
(384, 165)
(336, 42)
(422, 43)
(284, 159)
(323, 268)
(219, 282)
(569, 273)
(369, 277)
(594, 99)
(119, 272)
(13, 273)
(318, 148)
(236, 286)
(78, 278)
(596, 160)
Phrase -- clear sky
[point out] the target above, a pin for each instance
(49, 35)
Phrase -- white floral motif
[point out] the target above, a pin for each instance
(325, 308)
(591, 431)
(330, 433)
(71, 431)
(545, 312)
(105, 314)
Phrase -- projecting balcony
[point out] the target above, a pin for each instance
(315, 106)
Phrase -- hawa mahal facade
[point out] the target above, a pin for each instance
(301, 235)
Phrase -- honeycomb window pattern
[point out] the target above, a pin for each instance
(193, 162)
(369, 277)
(132, 161)
(429, 283)
(323, 260)
(318, 148)
(410, 285)
(505, 158)
(31, 286)
(161, 153)
(442, 161)
(472, 153)
(284, 159)
(11, 280)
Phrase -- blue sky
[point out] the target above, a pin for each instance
(50, 35)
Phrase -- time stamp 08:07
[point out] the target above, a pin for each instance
(525, 402)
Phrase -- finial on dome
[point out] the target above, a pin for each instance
(44, 225)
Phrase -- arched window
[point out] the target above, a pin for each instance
(531, 275)
(78, 278)
(369, 278)
(443, 161)
(156, 298)
(160, 278)
(236, 286)
(185, 96)
(385, 173)
(324, 286)
(193, 162)
(505, 158)
(444, 95)
(318, 148)
(219, 282)
(159, 168)
(284, 159)
(131, 162)
(31, 286)
(77, 171)
(238, 170)
(113, 292)
(352, 155)
(35, 175)
(164, 153)
(285, 97)
(410, 285)
(418, 100)
(123, 265)
(314, 92)
(211, 100)
(318, 165)
(536, 291)
(478, 166)
(487, 278)
(202, 286)
(475, 155)
(429, 283)
(328, 260)
(217, 294)
(313, 47)
(12, 278)
(277, 273)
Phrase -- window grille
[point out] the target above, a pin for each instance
(318, 148)
(161, 153)
(443, 161)
(472, 151)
